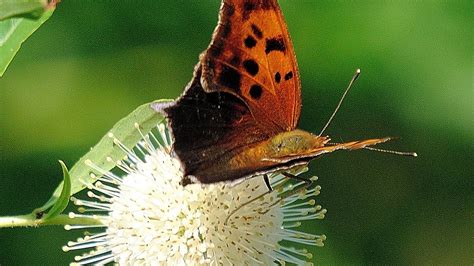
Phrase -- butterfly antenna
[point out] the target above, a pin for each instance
(413, 154)
(356, 75)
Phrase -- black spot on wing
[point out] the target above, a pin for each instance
(226, 28)
(216, 48)
(256, 91)
(230, 78)
(289, 75)
(251, 67)
(277, 77)
(256, 30)
(235, 61)
(250, 42)
(249, 7)
(229, 9)
(275, 44)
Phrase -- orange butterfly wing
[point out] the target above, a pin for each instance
(230, 122)
(252, 57)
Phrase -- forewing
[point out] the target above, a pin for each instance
(252, 57)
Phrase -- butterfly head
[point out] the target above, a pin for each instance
(294, 144)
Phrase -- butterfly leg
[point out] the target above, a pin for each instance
(307, 184)
(267, 182)
(270, 190)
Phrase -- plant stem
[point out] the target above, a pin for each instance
(29, 220)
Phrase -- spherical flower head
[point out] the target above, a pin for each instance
(152, 219)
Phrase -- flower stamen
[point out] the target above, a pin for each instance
(152, 219)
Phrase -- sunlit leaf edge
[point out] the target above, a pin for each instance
(23, 28)
(125, 131)
(24, 8)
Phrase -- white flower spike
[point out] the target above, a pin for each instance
(150, 219)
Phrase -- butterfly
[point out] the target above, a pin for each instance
(237, 117)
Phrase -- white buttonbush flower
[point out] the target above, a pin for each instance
(150, 219)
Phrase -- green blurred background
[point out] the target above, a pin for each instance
(93, 62)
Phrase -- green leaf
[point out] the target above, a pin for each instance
(25, 8)
(61, 203)
(125, 131)
(13, 32)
